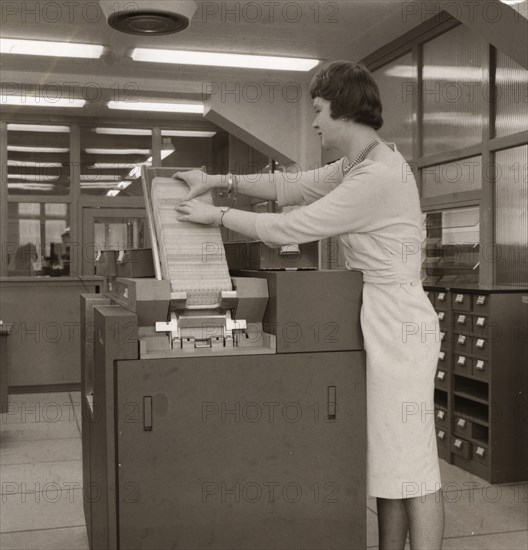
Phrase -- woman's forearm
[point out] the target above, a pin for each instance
(260, 186)
(241, 222)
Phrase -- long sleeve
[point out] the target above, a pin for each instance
(366, 201)
(307, 187)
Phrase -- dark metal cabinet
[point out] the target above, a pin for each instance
(481, 390)
(241, 453)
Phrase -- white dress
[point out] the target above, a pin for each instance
(375, 210)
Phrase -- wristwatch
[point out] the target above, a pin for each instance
(223, 210)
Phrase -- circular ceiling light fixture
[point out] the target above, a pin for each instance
(149, 17)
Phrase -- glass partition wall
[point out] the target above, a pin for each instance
(457, 110)
(58, 175)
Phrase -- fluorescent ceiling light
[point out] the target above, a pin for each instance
(32, 177)
(468, 75)
(124, 131)
(32, 164)
(23, 149)
(113, 192)
(213, 59)
(117, 165)
(37, 128)
(164, 154)
(512, 2)
(117, 151)
(49, 48)
(97, 177)
(147, 132)
(157, 106)
(38, 101)
(188, 133)
(123, 184)
(98, 185)
(136, 171)
(32, 186)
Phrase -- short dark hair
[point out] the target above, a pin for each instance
(352, 92)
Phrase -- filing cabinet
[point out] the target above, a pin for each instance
(481, 382)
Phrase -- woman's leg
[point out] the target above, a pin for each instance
(392, 524)
(426, 521)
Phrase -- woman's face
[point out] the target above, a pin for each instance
(326, 127)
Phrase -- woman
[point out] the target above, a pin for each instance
(371, 202)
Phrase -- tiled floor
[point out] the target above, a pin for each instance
(41, 487)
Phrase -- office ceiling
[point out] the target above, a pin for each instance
(324, 30)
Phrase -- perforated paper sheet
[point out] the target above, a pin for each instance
(192, 256)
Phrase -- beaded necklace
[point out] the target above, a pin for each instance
(361, 157)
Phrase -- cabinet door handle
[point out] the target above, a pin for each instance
(147, 413)
(332, 403)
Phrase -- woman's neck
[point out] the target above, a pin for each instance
(359, 137)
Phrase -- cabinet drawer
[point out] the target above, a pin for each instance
(441, 300)
(462, 323)
(480, 368)
(460, 447)
(443, 361)
(441, 418)
(441, 378)
(480, 454)
(480, 303)
(461, 301)
(463, 364)
(480, 347)
(442, 320)
(441, 437)
(462, 344)
(480, 325)
(461, 426)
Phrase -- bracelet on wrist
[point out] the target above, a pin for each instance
(223, 212)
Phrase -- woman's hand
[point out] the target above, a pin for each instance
(199, 182)
(198, 212)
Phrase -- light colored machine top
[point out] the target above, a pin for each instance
(192, 256)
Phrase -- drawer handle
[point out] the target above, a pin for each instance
(461, 360)
(441, 355)
(459, 298)
(481, 300)
(481, 321)
(481, 343)
(458, 443)
(461, 339)
(441, 315)
(440, 415)
(441, 296)
(441, 434)
(461, 320)
(480, 365)
(461, 423)
(480, 451)
(440, 375)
